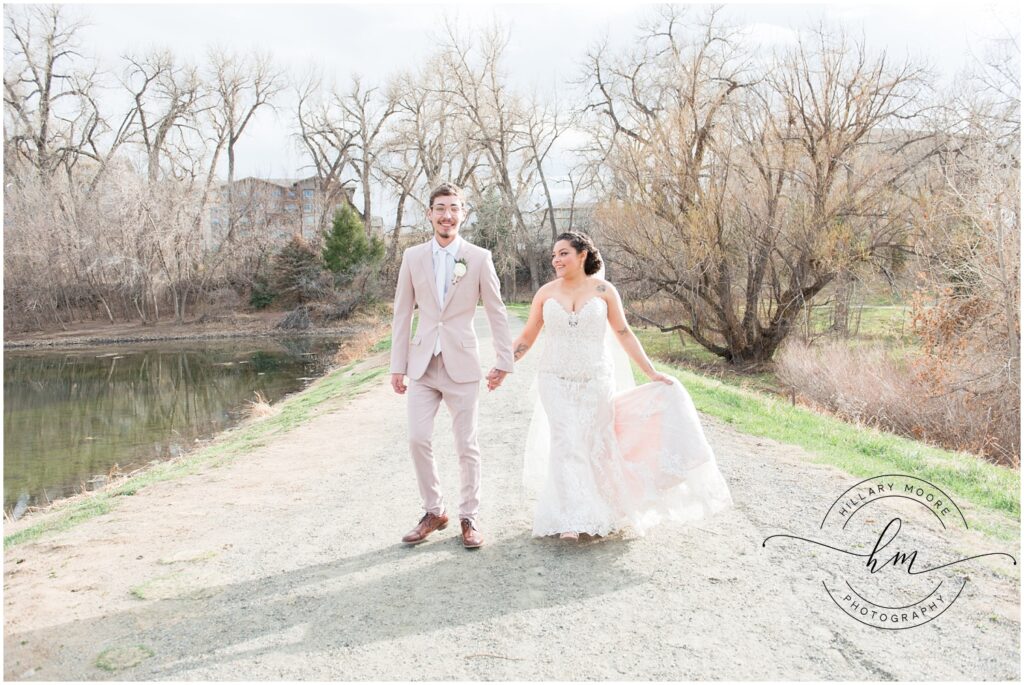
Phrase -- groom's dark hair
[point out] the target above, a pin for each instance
(446, 188)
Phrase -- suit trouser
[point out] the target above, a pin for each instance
(425, 395)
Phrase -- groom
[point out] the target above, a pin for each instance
(445, 278)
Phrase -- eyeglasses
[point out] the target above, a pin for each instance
(444, 209)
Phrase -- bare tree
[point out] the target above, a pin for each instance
(426, 143)
(326, 136)
(166, 94)
(368, 113)
(400, 173)
(655, 115)
(497, 125)
(119, 229)
(54, 123)
(740, 198)
(967, 308)
(241, 85)
(430, 129)
(544, 125)
(51, 117)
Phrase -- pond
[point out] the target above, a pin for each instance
(70, 415)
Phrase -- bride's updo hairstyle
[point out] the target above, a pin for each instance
(581, 241)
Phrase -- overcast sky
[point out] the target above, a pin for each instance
(547, 43)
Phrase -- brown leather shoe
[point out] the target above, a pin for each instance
(471, 537)
(427, 525)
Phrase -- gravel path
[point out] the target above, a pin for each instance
(286, 564)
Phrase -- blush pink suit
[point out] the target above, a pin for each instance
(454, 375)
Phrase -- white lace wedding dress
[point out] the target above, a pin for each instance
(615, 460)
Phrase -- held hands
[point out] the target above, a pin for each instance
(398, 383)
(495, 378)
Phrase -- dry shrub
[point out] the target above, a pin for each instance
(261, 407)
(218, 306)
(372, 323)
(971, 351)
(866, 384)
(296, 320)
(337, 308)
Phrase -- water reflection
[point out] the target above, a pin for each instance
(70, 415)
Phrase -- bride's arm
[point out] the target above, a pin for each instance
(624, 334)
(534, 322)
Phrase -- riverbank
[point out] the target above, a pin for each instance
(226, 326)
(284, 563)
(355, 361)
(333, 389)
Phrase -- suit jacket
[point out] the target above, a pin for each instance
(452, 321)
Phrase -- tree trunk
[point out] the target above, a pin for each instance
(533, 261)
(550, 203)
(142, 316)
(179, 317)
(841, 310)
(367, 215)
(106, 308)
(397, 231)
(231, 191)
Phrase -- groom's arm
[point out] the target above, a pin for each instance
(497, 316)
(401, 322)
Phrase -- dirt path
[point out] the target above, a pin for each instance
(286, 564)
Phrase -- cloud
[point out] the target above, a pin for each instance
(769, 35)
(851, 11)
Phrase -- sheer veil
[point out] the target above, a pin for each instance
(538, 442)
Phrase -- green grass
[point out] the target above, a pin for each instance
(668, 347)
(70, 515)
(139, 591)
(879, 322)
(116, 659)
(520, 309)
(293, 412)
(858, 450)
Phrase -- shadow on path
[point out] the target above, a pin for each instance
(382, 595)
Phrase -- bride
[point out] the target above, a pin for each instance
(605, 460)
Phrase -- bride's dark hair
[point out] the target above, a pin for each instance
(581, 241)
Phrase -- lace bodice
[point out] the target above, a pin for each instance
(574, 341)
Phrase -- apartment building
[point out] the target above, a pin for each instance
(274, 209)
(568, 217)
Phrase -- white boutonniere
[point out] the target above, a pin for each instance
(459, 271)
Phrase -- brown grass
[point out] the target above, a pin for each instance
(260, 407)
(866, 384)
(374, 325)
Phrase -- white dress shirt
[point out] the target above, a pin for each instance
(444, 267)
